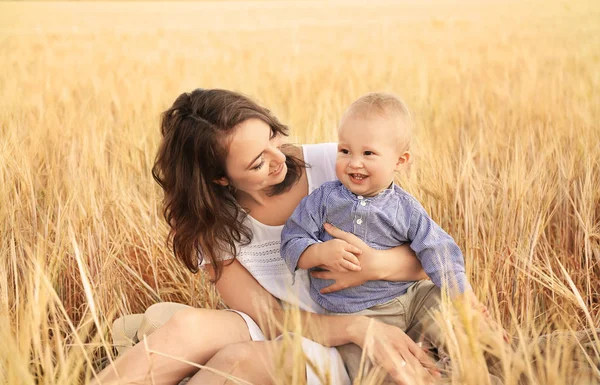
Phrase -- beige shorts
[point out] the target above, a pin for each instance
(410, 312)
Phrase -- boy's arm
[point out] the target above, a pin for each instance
(440, 256)
(301, 232)
(444, 263)
(301, 244)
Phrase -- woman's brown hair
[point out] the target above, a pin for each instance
(204, 217)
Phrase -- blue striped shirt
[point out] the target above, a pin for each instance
(389, 219)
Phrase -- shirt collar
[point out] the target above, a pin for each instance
(388, 190)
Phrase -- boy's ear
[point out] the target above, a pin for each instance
(403, 160)
(222, 181)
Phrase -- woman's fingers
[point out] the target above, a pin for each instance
(420, 371)
(342, 280)
(397, 370)
(331, 275)
(332, 288)
(403, 362)
(405, 369)
(400, 356)
(423, 359)
(321, 274)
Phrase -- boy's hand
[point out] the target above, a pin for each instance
(489, 321)
(496, 327)
(339, 255)
(477, 305)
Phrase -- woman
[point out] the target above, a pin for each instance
(230, 184)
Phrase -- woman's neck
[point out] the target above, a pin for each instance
(254, 199)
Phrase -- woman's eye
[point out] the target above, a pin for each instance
(367, 153)
(259, 166)
(273, 134)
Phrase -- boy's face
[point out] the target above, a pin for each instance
(368, 153)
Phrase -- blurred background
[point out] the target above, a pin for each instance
(506, 98)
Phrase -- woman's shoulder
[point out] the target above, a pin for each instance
(319, 150)
(321, 163)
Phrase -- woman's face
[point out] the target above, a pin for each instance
(254, 160)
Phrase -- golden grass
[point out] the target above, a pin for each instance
(507, 102)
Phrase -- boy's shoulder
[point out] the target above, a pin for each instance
(406, 199)
(327, 187)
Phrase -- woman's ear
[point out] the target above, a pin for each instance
(222, 181)
(403, 160)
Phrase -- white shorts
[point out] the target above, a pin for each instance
(326, 360)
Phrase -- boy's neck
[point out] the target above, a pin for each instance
(373, 194)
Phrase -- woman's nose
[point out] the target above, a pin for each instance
(278, 156)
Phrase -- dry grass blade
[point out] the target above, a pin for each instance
(506, 158)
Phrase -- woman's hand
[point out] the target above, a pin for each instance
(396, 264)
(389, 347)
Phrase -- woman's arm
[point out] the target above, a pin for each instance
(387, 345)
(396, 264)
(241, 291)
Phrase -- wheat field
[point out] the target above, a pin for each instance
(506, 99)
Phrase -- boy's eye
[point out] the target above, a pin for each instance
(367, 153)
(344, 151)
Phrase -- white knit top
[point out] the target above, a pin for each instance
(261, 257)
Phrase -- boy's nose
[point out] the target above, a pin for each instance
(355, 163)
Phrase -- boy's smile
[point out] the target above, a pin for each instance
(358, 178)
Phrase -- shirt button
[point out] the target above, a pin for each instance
(358, 221)
(363, 203)
(360, 197)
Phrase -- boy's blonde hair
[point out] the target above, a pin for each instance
(387, 105)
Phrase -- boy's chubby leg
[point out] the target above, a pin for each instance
(393, 313)
(424, 299)
(403, 312)
(421, 300)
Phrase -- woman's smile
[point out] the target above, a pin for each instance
(277, 170)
